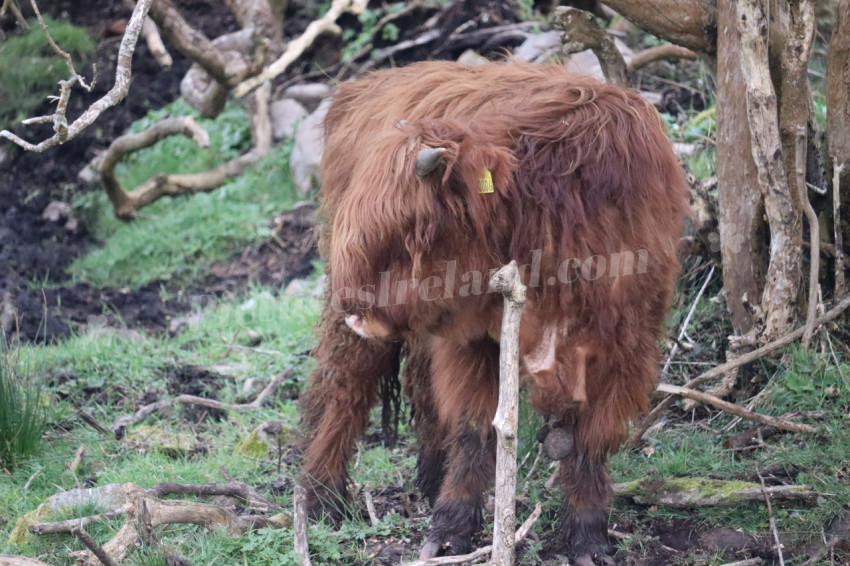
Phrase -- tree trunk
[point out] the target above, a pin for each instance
(741, 224)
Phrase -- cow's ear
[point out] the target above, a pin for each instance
(428, 159)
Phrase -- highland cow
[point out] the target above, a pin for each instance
(437, 173)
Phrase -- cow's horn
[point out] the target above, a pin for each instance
(427, 160)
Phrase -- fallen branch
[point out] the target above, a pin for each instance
(93, 422)
(717, 371)
(482, 552)
(653, 54)
(144, 512)
(689, 493)
(747, 562)
(297, 47)
(121, 423)
(507, 282)
(732, 408)
(66, 132)
(125, 205)
(157, 48)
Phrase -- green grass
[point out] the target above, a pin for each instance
(31, 69)
(22, 414)
(106, 373)
(180, 238)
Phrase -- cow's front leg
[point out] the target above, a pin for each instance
(465, 382)
(335, 408)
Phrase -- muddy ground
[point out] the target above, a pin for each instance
(35, 252)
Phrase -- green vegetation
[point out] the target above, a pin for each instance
(211, 226)
(22, 414)
(31, 69)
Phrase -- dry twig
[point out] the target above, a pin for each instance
(733, 408)
(66, 132)
(370, 507)
(122, 422)
(814, 235)
(78, 459)
(717, 371)
(296, 47)
(770, 518)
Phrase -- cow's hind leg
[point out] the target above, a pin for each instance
(335, 408)
(465, 382)
(617, 384)
(430, 435)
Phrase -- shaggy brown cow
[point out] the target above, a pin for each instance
(435, 174)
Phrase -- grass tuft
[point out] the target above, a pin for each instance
(22, 415)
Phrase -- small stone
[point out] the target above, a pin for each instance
(539, 46)
(285, 116)
(56, 211)
(472, 57)
(298, 288)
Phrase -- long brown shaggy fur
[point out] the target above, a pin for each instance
(582, 171)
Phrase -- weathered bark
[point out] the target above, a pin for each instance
(192, 43)
(581, 31)
(691, 493)
(302, 548)
(122, 203)
(740, 222)
(779, 301)
(838, 126)
(689, 23)
(507, 282)
(838, 90)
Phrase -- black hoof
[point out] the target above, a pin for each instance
(587, 534)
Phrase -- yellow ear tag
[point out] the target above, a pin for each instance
(485, 182)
